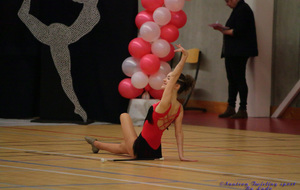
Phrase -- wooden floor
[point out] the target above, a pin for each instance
(264, 124)
(57, 157)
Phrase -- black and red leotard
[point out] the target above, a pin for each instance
(148, 144)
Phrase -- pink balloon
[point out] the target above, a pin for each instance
(150, 31)
(127, 90)
(150, 64)
(130, 65)
(174, 5)
(139, 80)
(165, 68)
(162, 16)
(178, 18)
(170, 56)
(157, 94)
(139, 47)
(151, 5)
(160, 48)
(142, 17)
(156, 80)
(169, 32)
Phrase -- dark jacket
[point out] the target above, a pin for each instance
(243, 42)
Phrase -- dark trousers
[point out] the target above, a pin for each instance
(236, 75)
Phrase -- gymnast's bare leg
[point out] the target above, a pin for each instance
(129, 134)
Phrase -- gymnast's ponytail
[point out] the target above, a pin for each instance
(186, 82)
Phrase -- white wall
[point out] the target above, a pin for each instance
(212, 82)
(259, 69)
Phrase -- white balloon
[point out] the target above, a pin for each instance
(160, 48)
(150, 31)
(174, 5)
(130, 65)
(156, 80)
(162, 16)
(146, 95)
(139, 80)
(165, 68)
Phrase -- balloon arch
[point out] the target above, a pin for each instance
(158, 27)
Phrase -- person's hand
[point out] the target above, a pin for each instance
(218, 26)
(181, 49)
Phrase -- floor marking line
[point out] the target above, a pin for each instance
(87, 157)
(217, 172)
(68, 133)
(161, 179)
(239, 150)
(256, 152)
(162, 166)
(98, 177)
(53, 153)
(166, 143)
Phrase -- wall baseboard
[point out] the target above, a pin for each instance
(220, 107)
(211, 107)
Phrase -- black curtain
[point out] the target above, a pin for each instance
(29, 83)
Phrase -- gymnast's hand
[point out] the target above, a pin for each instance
(181, 49)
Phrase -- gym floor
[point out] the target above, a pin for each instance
(253, 153)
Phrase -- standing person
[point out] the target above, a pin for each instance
(239, 44)
(160, 116)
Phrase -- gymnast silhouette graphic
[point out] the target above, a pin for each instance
(58, 36)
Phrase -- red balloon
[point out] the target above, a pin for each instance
(127, 90)
(148, 87)
(151, 5)
(157, 94)
(170, 56)
(169, 32)
(139, 47)
(178, 18)
(142, 17)
(150, 64)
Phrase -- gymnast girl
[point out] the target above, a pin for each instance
(160, 116)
